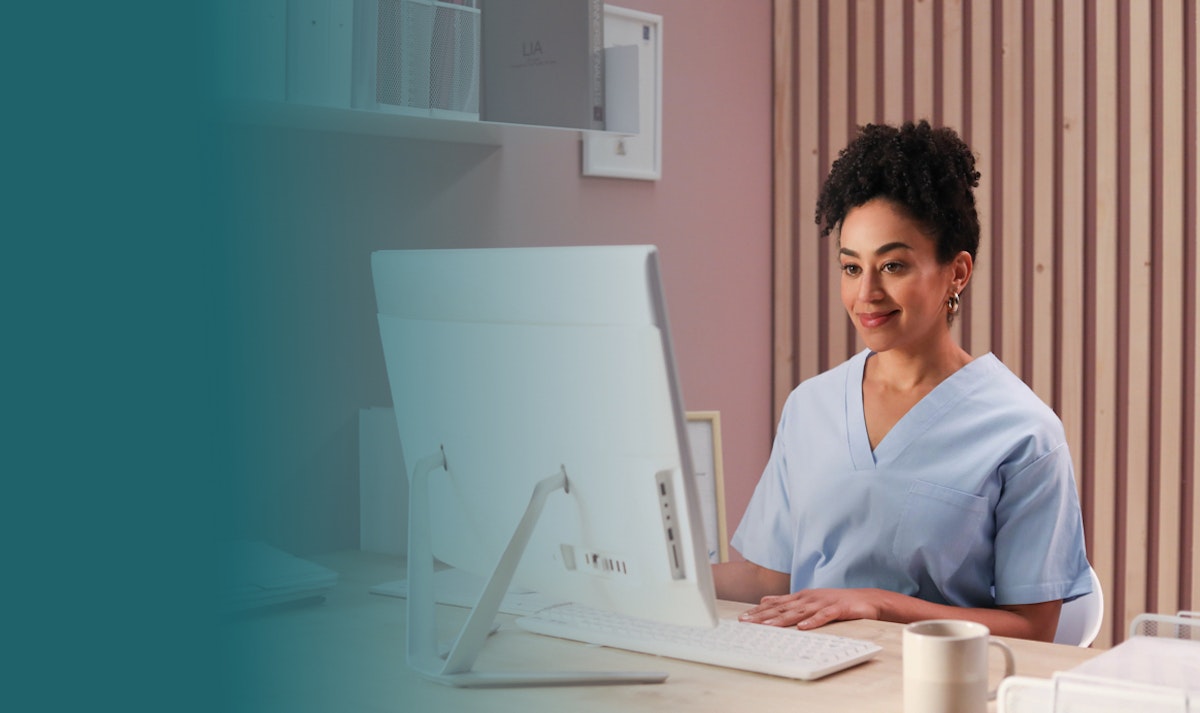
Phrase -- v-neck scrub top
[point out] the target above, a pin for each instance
(969, 500)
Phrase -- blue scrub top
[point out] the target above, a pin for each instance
(969, 500)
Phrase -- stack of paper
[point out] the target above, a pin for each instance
(1153, 660)
(261, 575)
(1143, 674)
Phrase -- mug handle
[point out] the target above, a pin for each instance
(1009, 665)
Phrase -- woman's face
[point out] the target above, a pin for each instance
(893, 286)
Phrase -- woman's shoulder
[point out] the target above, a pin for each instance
(994, 375)
(1005, 393)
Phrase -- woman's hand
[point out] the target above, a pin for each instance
(812, 608)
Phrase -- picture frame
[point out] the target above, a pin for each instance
(638, 156)
(704, 439)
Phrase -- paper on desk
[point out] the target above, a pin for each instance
(1153, 660)
(262, 575)
(460, 588)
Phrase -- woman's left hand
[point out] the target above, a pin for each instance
(812, 608)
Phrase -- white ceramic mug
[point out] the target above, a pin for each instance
(946, 666)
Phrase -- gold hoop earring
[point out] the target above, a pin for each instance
(953, 303)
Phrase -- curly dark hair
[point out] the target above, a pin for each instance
(929, 172)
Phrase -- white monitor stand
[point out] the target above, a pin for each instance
(456, 667)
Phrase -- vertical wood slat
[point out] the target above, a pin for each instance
(893, 61)
(1136, 419)
(810, 172)
(865, 81)
(1010, 248)
(952, 84)
(1070, 197)
(950, 101)
(1083, 118)
(867, 85)
(1170, 315)
(1038, 232)
(837, 112)
(866, 109)
(785, 315)
(1100, 442)
(1193, 228)
(921, 47)
(982, 54)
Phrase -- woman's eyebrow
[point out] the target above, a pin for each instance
(888, 247)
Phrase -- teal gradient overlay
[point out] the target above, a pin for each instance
(116, 303)
(299, 213)
(191, 333)
(303, 210)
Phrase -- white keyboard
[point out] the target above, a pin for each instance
(786, 652)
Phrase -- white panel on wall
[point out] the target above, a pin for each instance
(635, 156)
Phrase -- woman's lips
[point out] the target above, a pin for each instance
(870, 320)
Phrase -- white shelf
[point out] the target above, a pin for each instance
(358, 121)
(378, 123)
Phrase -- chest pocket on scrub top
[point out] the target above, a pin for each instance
(938, 526)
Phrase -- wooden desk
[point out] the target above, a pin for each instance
(347, 654)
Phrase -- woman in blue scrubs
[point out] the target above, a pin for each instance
(913, 481)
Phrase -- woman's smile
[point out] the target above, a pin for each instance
(873, 320)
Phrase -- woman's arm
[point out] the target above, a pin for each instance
(748, 582)
(812, 608)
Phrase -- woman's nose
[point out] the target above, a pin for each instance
(869, 287)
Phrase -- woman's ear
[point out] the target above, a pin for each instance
(961, 267)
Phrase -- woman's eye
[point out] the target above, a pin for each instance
(850, 270)
(893, 267)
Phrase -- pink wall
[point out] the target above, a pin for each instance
(716, 221)
(710, 215)
(334, 198)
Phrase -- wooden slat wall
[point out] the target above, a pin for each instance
(1083, 116)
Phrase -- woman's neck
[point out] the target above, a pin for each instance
(901, 370)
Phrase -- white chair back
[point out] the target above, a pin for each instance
(1080, 619)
